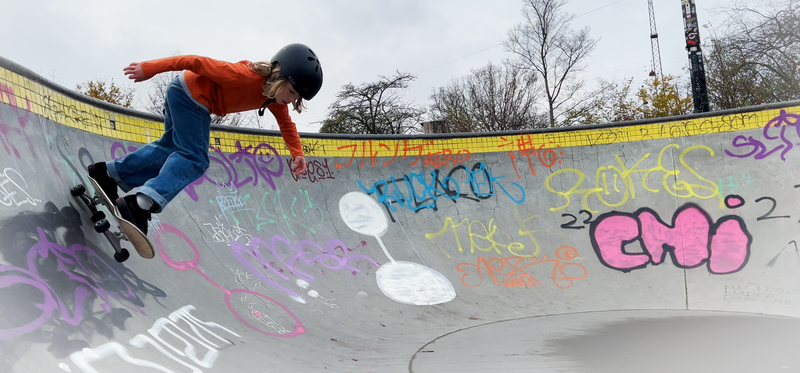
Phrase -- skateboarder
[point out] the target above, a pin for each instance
(206, 86)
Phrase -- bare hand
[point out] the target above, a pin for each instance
(299, 165)
(134, 71)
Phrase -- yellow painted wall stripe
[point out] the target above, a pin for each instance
(29, 95)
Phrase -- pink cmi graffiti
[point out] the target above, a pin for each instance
(692, 239)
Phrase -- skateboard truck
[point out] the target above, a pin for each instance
(101, 224)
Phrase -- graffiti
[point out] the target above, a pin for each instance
(60, 112)
(301, 213)
(230, 202)
(222, 234)
(692, 239)
(264, 161)
(516, 271)
(275, 212)
(8, 93)
(484, 238)
(84, 157)
(315, 171)
(55, 281)
(246, 278)
(257, 309)
(85, 274)
(444, 158)
(759, 294)
(309, 148)
(23, 117)
(573, 220)
(734, 184)
(118, 147)
(760, 150)
(423, 194)
(304, 252)
(768, 215)
(622, 186)
(526, 148)
(264, 320)
(792, 244)
(200, 336)
(327, 302)
(13, 189)
(604, 136)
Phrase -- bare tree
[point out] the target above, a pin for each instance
(157, 92)
(492, 98)
(374, 108)
(612, 101)
(545, 44)
(760, 50)
(732, 81)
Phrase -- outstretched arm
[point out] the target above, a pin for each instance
(134, 71)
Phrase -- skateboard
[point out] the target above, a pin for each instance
(125, 230)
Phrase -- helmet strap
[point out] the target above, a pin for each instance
(264, 106)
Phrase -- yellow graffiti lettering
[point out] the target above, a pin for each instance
(525, 231)
(622, 186)
(482, 237)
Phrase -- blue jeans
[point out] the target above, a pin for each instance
(163, 168)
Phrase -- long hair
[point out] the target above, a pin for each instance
(274, 83)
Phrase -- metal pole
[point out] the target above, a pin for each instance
(692, 33)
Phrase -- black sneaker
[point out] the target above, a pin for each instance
(99, 172)
(129, 210)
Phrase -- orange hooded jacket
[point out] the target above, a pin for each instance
(223, 87)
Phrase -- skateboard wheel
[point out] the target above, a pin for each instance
(102, 225)
(98, 216)
(78, 190)
(122, 255)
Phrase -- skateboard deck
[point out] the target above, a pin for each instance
(127, 231)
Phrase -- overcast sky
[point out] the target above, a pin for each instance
(73, 41)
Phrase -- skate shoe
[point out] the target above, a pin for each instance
(99, 172)
(129, 210)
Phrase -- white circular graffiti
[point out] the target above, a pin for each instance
(362, 214)
(413, 283)
(403, 282)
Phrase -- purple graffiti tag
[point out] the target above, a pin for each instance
(118, 146)
(193, 265)
(48, 305)
(82, 266)
(69, 262)
(327, 258)
(260, 159)
(264, 161)
(691, 240)
(759, 150)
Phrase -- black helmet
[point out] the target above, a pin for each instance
(300, 65)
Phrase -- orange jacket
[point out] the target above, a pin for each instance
(224, 87)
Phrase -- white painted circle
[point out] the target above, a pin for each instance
(413, 283)
(362, 214)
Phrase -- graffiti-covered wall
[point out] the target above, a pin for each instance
(384, 243)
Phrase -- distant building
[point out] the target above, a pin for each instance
(435, 126)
